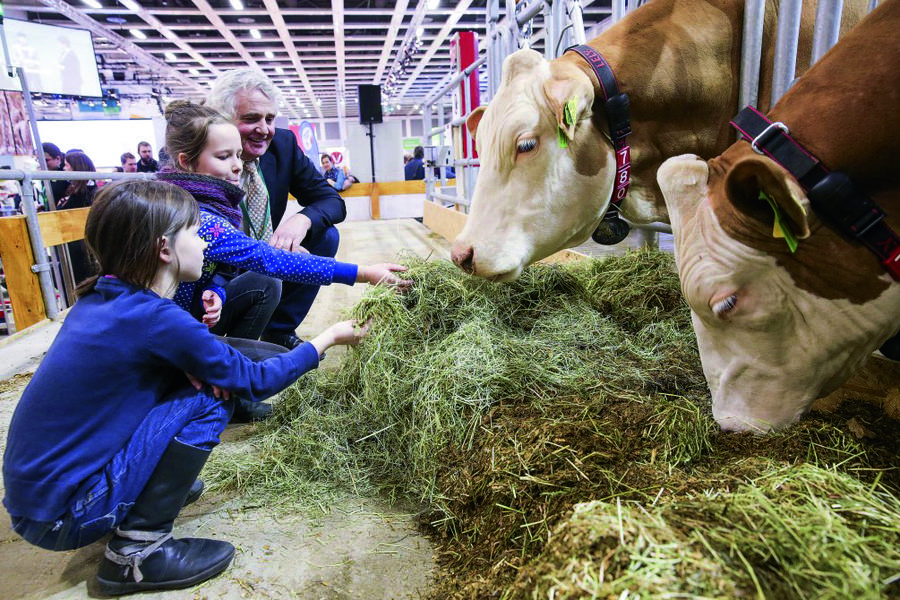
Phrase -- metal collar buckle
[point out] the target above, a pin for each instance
(767, 132)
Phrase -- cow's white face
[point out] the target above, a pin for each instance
(768, 347)
(534, 197)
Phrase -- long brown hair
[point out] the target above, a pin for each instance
(125, 228)
(187, 128)
(78, 161)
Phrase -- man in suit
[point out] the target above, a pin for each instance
(275, 166)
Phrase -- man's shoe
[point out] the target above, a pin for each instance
(250, 412)
(287, 340)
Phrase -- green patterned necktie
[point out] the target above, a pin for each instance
(255, 206)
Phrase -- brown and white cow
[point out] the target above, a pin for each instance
(778, 329)
(679, 63)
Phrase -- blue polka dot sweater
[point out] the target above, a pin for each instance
(228, 245)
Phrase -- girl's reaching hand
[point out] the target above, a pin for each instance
(345, 333)
(383, 273)
(212, 307)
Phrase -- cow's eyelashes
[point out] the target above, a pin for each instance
(724, 306)
(526, 145)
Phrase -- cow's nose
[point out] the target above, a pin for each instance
(463, 256)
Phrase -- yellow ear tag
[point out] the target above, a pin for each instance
(780, 227)
(570, 110)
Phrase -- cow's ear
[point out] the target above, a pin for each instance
(474, 119)
(753, 177)
(569, 94)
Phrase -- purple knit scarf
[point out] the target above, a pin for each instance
(213, 194)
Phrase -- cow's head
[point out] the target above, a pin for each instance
(546, 173)
(776, 330)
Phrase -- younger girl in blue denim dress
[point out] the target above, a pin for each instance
(109, 434)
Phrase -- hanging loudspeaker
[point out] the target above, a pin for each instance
(369, 104)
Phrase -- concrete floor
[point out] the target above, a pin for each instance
(362, 548)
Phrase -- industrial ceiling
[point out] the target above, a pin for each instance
(316, 51)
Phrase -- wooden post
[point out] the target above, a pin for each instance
(21, 281)
(57, 227)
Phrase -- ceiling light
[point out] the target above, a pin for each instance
(255, 34)
(279, 70)
(420, 32)
(237, 4)
(286, 82)
(270, 54)
(170, 56)
(432, 4)
(131, 5)
(138, 34)
(194, 72)
(93, 3)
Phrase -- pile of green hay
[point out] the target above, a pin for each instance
(502, 408)
(793, 532)
(441, 356)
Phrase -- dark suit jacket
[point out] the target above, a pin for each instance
(286, 169)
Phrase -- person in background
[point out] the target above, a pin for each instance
(163, 156)
(206, 161)
(129, 163)
(415, 169)
(129, 434)
(55, 160)
(79, 194)
(332, 174)
(274, 165)
(146, 164)
(349, 178)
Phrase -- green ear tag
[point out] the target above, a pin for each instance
(563, 142)
(781, 228)
(570, 109)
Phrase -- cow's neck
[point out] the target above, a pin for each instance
(674, 109)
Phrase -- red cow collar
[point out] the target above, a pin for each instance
(615, 105)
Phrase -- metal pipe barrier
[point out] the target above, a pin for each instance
(789, 12)
(828, 27)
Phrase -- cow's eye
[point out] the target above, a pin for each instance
(526, 145)
(724, 306)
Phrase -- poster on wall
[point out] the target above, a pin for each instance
(339, 156)
(15, 136)
(305, 133)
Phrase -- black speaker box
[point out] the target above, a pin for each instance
(369, 104)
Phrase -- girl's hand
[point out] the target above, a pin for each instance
(218, 392)
(212, 306)
(345, 333)
(383, 273)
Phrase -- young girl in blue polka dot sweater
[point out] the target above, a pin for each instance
(205, 148)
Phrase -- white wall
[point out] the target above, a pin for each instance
(388, 151)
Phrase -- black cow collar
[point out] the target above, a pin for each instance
(831, 193)
(613, 228)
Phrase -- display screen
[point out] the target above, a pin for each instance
(56, 60)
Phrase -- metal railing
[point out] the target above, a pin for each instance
(43, 265)
(563, 25)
